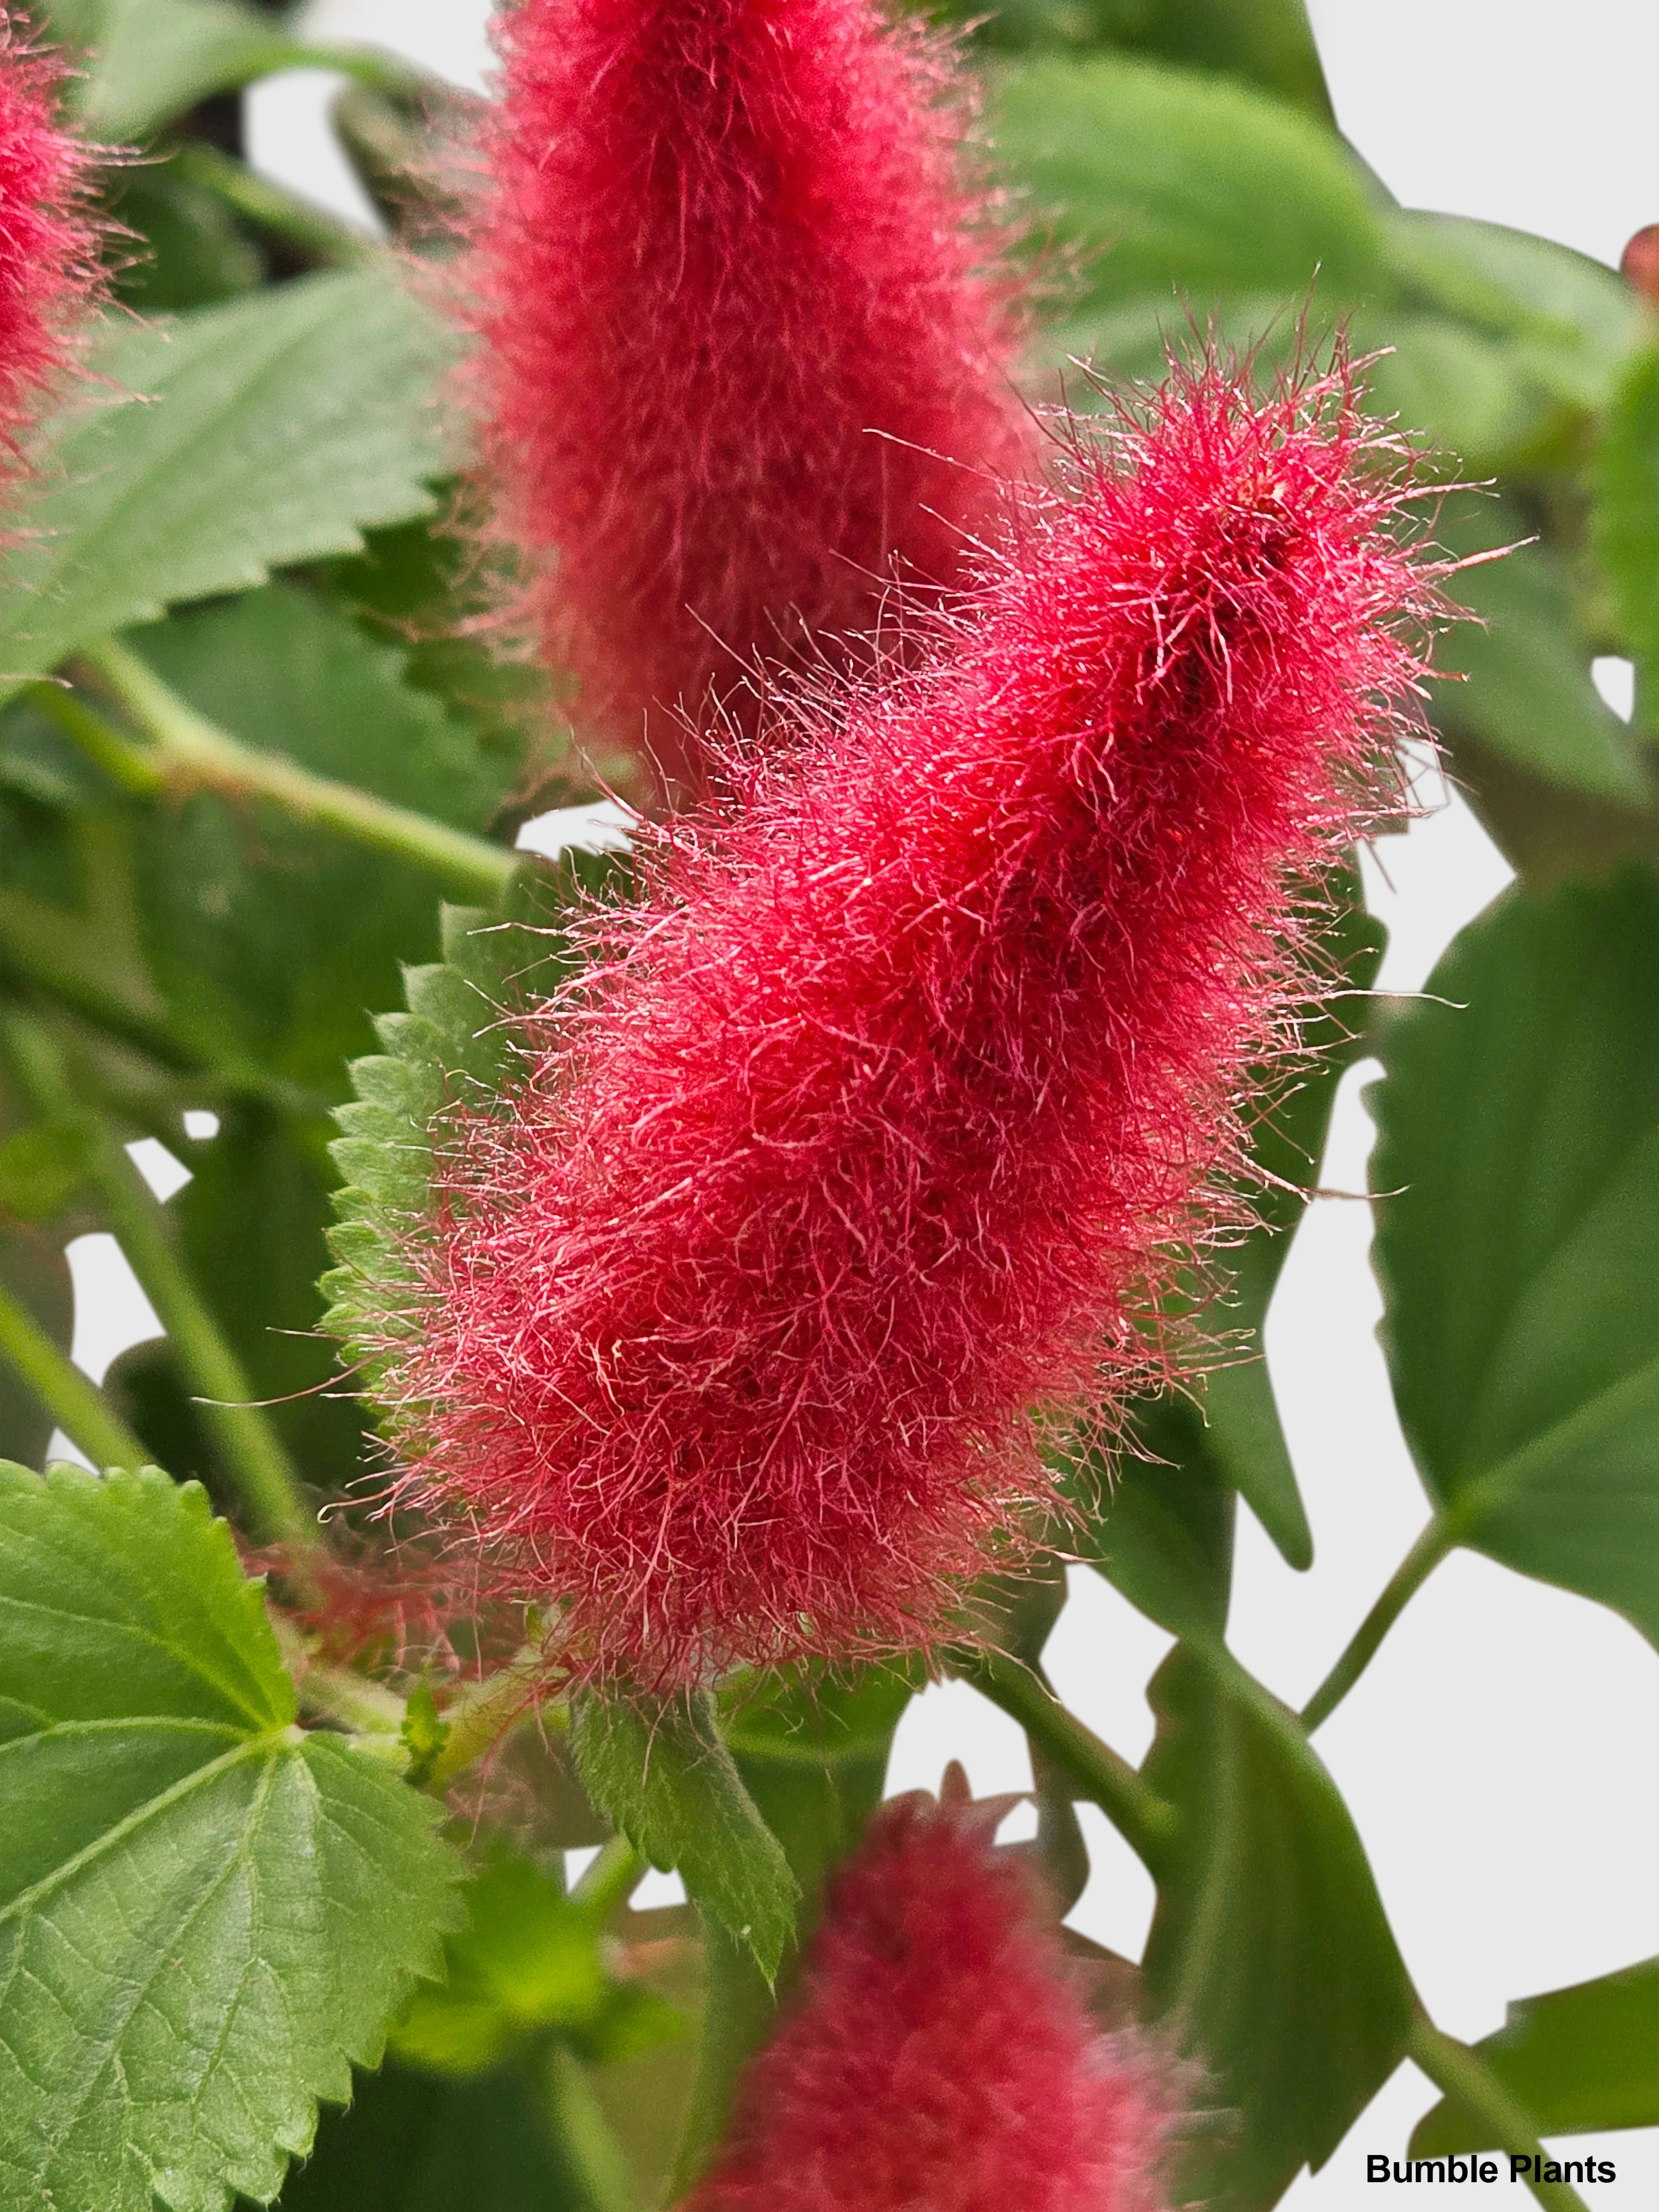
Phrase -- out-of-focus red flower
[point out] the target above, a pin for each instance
(876, 1124)
(48, 243)
(743, 344)
(940, 2056)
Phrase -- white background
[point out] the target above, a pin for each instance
(1501, 1754)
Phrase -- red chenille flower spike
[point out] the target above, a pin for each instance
(48, 244)
(742, 350)
(938, 2057)
(874, 1125)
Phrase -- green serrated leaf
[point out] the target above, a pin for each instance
(662, 1772)
(271, 430)
(458, 1034)
(1270, 1957)
(204, 1913)
(1527, 692)
(1517, 1169)
(1161, 1530)
(1171, 184)
(1578, 2060)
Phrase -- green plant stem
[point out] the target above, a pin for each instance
(611, 1880)
(1146, 1819)
(183, 752)
(1462, 2075)
(585, 2135)
(736, 2016)
(482, 1713)
(1438, 1538)
(265, 1477)
(78, 1407)
(312, 230)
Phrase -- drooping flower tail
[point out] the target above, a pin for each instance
(940, 2056)
(49, 273)
(744, 347)
(875, 1124)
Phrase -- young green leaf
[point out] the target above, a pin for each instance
(1167, 180)
(149, 60)
(662, 1772)
(1625, 521)
(1269, 1956)
(271, 430)
(205, 1912)
(1579, 2059)
(1517, 1174)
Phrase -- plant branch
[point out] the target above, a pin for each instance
(1463, 2076)
(1439, 1538)
(78, 1406)
(254, 1456)
(312, 230)
(481, 1715)
(737, 2015)
(1146, 1819)
(182, 752)
(611, 1880)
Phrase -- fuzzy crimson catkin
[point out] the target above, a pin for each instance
(873, 1125)
(743, 344)
(48, 243)
(939, 2055)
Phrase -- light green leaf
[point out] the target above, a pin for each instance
(205, 1912)
(529, 1964)
(661, 1771)
(1624, 520)
(1518, 1148)
(1269, 1957)
(271, 430)
(1579, 2060)
(1573, 320)
(1170, 182)
(1526, 691)
(151, 60)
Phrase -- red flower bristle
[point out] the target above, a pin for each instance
(877, 1123)
(743, 346)
(48, 242)
(940, 2056)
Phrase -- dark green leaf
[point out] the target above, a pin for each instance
(189, 252)
(1527, 693)
(1161, 1530)
(413, 2143)
(1175, 184)
(204, 1913)
(271, 430)
(1579, 2060)
(1518, 1147)
(1269, 1956)
(661, 1771)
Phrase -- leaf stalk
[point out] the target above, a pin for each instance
(77, 1404)
(182, 752)
(1460, 2072)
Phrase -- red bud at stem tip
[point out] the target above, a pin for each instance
(743, 348)
(1638, 264)
(940, 2056)
(876, 1124)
